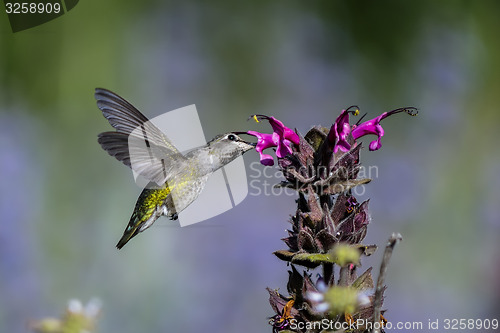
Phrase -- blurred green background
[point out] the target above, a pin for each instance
(64, 202)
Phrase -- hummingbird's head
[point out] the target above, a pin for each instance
(226, 147)
(230, 145)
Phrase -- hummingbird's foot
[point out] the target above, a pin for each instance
(174, 217)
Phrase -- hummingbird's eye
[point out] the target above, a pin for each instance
(231, 137)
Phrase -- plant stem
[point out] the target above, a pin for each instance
(328, 274)
(344, 276)
(377, 302)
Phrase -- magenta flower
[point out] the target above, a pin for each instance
(282, 138)
(373, 126)
(264, 141)
(340, 130)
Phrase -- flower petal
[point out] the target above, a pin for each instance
(264, 140)
(375, 145)
(315, 296)
(283, 148)
(322, 307)
(373, 126)
(282, 138)
(266, 159)
(339, 132)
(279, 128)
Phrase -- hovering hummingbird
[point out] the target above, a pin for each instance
(176, 180)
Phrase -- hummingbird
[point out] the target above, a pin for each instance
(175, 179)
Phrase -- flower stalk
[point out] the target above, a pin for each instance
(328, 226)
(377, 302)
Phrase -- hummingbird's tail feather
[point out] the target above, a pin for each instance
(126, 237)
(144, 215)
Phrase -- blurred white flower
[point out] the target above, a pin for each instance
(75, 306)
(77, 318)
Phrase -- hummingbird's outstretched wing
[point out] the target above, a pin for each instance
(137, 143)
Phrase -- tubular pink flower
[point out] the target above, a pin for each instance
(264, 141)
(340, 130)
(282, 138)
(373, 127)
(281, 130)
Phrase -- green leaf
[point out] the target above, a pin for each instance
(316, 136)
(364, 281)
(366, 250)
(311, 260)
(284, 255)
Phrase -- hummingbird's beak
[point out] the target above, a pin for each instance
(249, 145)
(253, 144)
